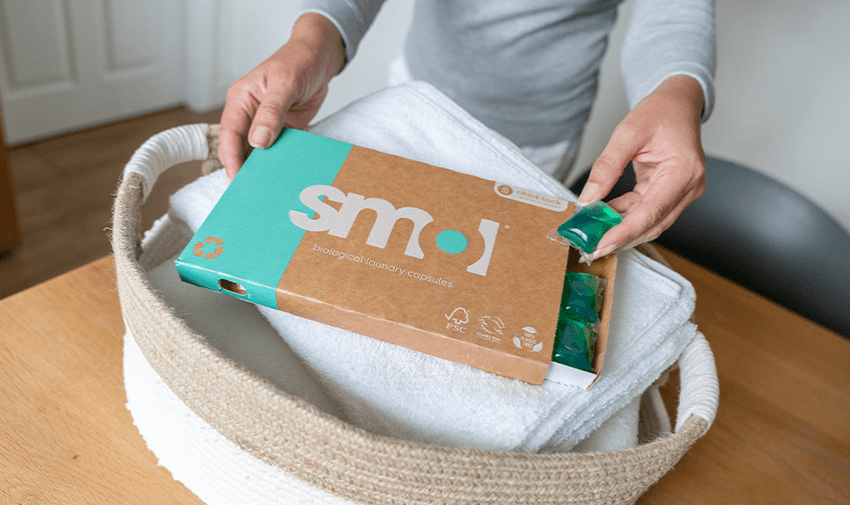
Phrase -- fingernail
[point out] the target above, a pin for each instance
(261, 138)
(587, 194)
(604, 252)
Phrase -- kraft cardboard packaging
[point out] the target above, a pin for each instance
(424, 257)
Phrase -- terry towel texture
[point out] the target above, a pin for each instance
(397, 392)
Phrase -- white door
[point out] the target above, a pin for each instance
(67, 64)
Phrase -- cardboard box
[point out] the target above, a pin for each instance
(424, 257)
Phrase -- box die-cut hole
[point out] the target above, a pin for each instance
(233, 287)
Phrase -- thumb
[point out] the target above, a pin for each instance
(269, 119)
(608, 168)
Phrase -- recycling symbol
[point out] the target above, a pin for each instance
(201, 247)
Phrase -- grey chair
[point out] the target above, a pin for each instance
(765, 236)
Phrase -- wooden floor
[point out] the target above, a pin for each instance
(65, 186)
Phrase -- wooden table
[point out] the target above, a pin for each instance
(782, 434)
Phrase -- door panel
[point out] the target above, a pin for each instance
(67, 64)
(36, 45)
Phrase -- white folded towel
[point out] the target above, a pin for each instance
(397, 392)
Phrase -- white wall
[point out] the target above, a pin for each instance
(783, 80)
(782, 83)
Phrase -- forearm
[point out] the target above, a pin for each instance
(322, 39)
(681, 95)
(667, 38)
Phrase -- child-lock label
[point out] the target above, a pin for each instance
(530, 197)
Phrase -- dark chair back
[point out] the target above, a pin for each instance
(763, 235)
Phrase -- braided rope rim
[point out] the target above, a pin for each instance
(329, 454)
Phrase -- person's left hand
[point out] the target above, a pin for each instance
(661, 137)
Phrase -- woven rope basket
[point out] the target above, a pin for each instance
(338, 459)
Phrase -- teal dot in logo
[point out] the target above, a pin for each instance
(451, 241)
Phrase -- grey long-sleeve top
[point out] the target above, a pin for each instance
(529, 69)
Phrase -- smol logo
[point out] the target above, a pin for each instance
(528, 339)
(200, 247)
(505, 189)
(338, 223)
(492, 325)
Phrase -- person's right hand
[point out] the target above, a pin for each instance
(285, 90)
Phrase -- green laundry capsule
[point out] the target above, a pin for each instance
(586, 227)
(574, 343)
(581, 296)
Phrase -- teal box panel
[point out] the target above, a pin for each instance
(233, 240)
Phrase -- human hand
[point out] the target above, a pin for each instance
(285, 90)
(661, 137)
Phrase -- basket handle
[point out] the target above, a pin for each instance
(699, 388)
(166, 149)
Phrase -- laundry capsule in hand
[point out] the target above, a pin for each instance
(586, 227)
